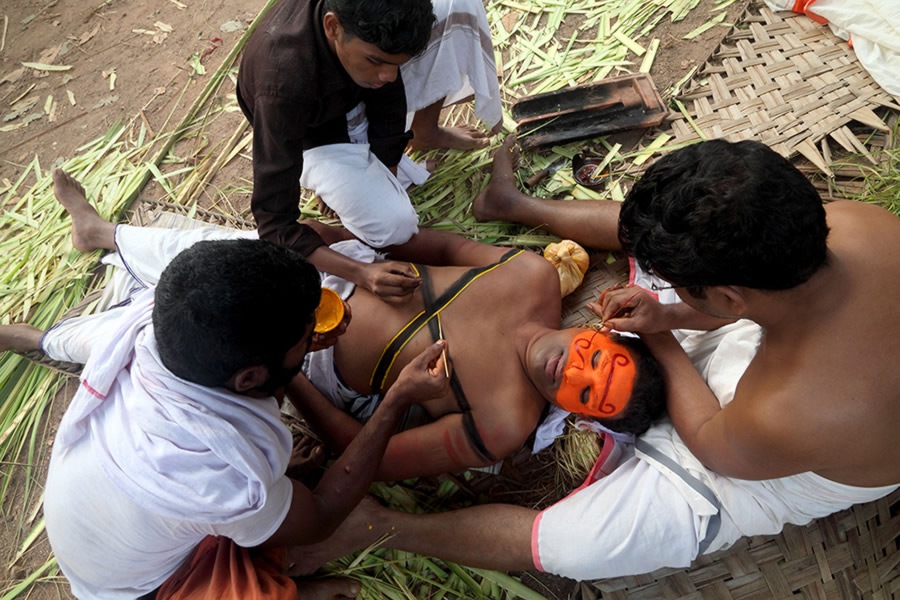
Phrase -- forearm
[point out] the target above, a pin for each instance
(329, 233)
(325, 259)
(689, 401)
(347, 481)
(336, 428)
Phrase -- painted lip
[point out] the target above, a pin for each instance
(555, 367)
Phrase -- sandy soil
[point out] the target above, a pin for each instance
(131, 60)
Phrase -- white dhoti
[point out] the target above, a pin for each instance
(142, 254)
(457, 64)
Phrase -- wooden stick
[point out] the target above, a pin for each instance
(444, 349)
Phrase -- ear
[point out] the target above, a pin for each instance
(332, 26)
(735, 298)
(248, 378)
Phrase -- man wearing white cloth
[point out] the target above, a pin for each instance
(167, 477)
(789, 412)
(331, 88)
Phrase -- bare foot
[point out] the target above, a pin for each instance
(307, 455)
(89, 230)
(368, 522)
(498, 199)
(454, 138)
(327, 589)
(20, 337)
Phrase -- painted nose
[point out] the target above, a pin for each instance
(388, 73)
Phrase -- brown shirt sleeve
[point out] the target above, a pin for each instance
(277, 164)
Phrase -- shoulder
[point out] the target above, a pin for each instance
(511, 420)
(848, 213)
(283, 54)
(534, 266)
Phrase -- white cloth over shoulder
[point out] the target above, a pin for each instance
(872, 27)
(458, 63)
(177, 448)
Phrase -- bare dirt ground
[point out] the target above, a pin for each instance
(131, 60)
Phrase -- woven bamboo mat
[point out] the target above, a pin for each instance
(785, 80)
(607, 269)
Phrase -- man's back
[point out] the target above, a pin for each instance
(824, 389)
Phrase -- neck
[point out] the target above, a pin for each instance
(802, 306)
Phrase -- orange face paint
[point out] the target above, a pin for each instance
(598, 377)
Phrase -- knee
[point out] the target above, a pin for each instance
(398, 231)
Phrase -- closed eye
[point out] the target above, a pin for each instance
(585, 395)
(595, 358)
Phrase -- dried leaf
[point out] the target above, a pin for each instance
(13, 76)
(231, 26)
(71, 97)
(106, 101)
(43, 67)
(163, 27)
(88, 35)
(49, 55)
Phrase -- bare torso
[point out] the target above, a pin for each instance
(487, 326)
(825, 380)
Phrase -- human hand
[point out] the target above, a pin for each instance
(327, 339)
(630, 308)
(426, 377)
(392, 281)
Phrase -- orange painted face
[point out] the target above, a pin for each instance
(598, 377)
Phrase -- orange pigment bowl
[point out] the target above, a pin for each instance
(330, 311)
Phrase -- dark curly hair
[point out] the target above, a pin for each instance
(225, 305)
(722, 213)
(394, 26)
(648, 394)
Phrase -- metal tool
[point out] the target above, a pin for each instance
(550, 169)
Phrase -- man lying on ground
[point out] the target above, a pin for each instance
(168, 468)
(737, 233)
(500, 307)
(331, 87)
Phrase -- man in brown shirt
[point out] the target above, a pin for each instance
(309, 64)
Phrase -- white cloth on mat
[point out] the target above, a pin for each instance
(873, 28)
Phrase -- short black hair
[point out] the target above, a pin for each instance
(723, 213)
(648, 394)
(224, 305)
(394, 26)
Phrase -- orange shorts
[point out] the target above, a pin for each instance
(219, 569)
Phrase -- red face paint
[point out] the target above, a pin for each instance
(598, 377)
